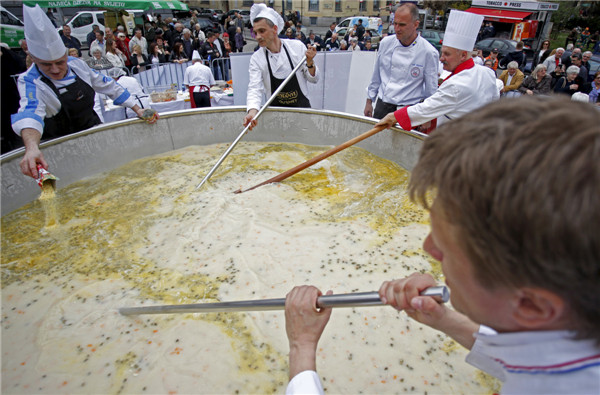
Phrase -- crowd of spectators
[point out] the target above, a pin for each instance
(357, 38)
(161, 42)
(558, 70)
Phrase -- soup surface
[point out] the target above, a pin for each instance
(142, 235)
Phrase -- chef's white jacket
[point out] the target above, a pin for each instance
(469, 87)
(404, 75)
(38, 101)
(259, 85)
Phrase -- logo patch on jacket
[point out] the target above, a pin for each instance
(415, 71)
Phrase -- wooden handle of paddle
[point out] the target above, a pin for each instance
(318, 158)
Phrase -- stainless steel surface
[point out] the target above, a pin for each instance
(258, 114)
(440, 293)
(109, 146)
(359, 299)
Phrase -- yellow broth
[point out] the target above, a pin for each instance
(142, 235)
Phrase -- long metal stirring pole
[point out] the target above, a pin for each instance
(439, 293)
(232, 146)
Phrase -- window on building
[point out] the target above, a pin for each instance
(376, 6)
(338, 5)
(313, 5)
(247, 3)
(362, 5)
(288, 5)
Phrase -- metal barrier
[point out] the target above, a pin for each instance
(167, 74)
(170, 73)
(221, 68)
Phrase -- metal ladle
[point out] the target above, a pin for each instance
(439, 293)
(258, 114)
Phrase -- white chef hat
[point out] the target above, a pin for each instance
(462, 29)
(262, 11)
(43, 40)
(196, 55)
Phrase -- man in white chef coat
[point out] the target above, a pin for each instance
(57, 92)
(405, 70)
(198, 79)
(468, 87)
(273, 62)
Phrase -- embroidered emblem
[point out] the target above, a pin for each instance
(415, 72)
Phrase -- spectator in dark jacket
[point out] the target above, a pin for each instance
(571, 83)
(332, 43)
(210, 52)
(330, 31)
(178, 55)
(139, 61)
(360, 30)
(518, 56)
(156, 55)
(70, 41)
(542, 54)
(91, 36)
(239, 40)
(188, 43)
(232, 29)
(538, 83)
(577, 60)
(314, 40)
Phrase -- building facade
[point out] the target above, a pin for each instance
(312, 12)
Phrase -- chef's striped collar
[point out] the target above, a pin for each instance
(411, 44)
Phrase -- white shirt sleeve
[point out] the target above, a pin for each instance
(442, 102)
(256, 86)
(32, 109)
(306, 382)
(106, 85)
(186, 76)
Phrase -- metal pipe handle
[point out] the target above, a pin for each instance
(359, 299)
(258, 114)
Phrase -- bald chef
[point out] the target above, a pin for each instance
(468, 87)
(57, 92)
(273, 62)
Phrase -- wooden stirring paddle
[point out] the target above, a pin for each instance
(316, 159)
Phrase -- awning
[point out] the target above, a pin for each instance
(505, 16)
(123, 4)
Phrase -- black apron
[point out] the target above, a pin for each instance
(76, 109)
(291, 95)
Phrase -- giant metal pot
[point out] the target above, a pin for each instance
(108, 146)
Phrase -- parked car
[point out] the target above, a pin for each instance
(11, 29)
(505, 46)
(368, 23)
(208, 24)
(435, 37)
(245, 16)
(81, 24)
(594, 63)
(211, 13)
